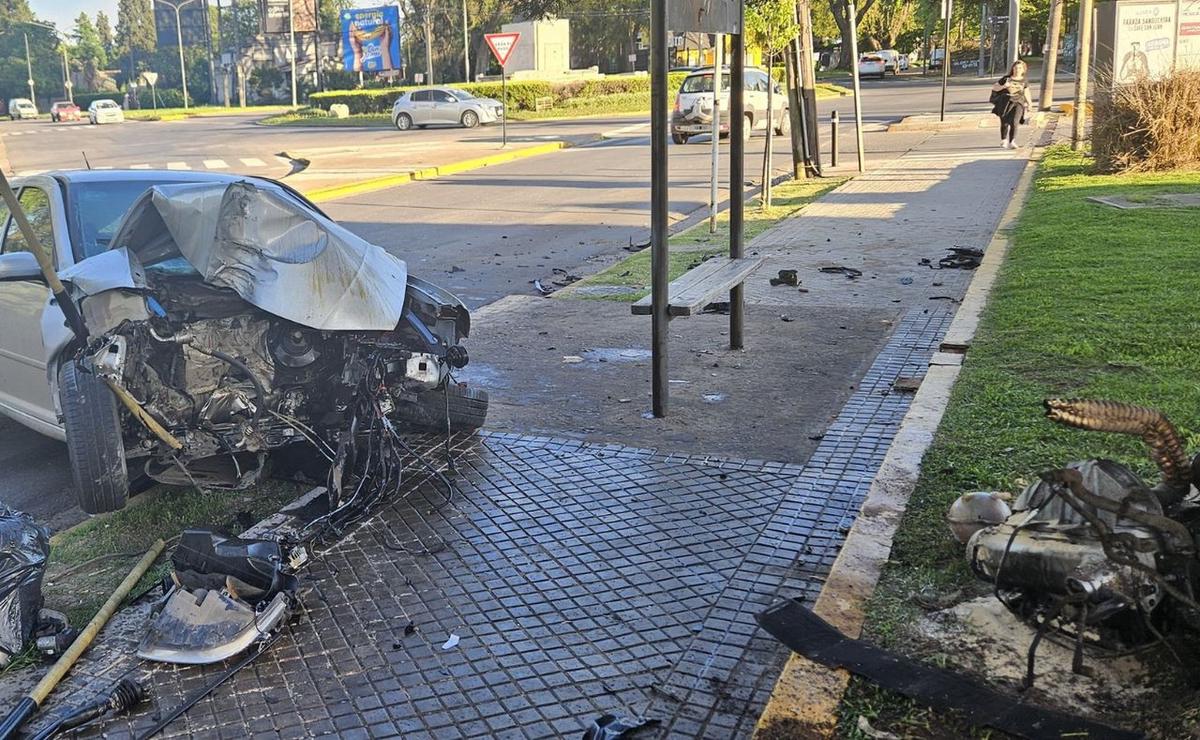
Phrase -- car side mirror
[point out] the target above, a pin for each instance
(20, 266)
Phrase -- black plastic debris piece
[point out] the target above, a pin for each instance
(537, 285)
(24, 547)
(850, 272)
(960, 258)
(716, 307)
(807, 634)
(786, 277)
(612, 727)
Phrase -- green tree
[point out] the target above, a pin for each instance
(135, 33)
(88, 46)
(771, 26)
(15, 11)
(104, 31)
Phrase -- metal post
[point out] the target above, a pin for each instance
(212, 64)
(429, 45)
(659, 259)
(1014, 32)
(949, 6)
(504, 101)
(29, 70)
(768, 141)
(1050, 62)
(292, 48)
(983, 16)
(466, 45)
(858, 132)
(737, 173)
(67, 86)
(1083, 61)
(182, 66)
(833, 139)
(714, 192)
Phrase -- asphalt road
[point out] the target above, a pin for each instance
(485, 234)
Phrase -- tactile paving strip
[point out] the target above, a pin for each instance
(580, 579)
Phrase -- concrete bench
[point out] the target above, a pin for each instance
(692, 291)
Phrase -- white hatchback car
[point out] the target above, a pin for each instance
(105, 111)
(872, 64)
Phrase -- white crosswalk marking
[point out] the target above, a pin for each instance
(178, 166)
(253, 162)
(215, 164)
(103, 167)
(139, 166)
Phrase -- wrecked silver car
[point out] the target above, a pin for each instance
(227, 318)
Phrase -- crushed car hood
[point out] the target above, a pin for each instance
(271, 250)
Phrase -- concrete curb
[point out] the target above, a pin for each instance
(806, 696)
(334, 192)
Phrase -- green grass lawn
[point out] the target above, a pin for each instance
(600, 105)
(1092, 302)
(696, 244)
(196, 111)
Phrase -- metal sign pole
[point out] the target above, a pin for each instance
(948, 7)
(714, 194)
(858, 132)
(504, 96)
(659, 264)
(737, 172)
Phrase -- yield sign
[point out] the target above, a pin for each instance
(501, 45)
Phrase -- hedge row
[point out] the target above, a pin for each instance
(167, 98)
(522, 94)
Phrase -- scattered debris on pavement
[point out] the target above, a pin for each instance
(612, 727)
(786, 277)
(907, 383)
(851, 273)
(960, 258)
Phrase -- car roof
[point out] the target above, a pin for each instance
(708, 70)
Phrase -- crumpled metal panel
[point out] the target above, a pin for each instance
(272, 251)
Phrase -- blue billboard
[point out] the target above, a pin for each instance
(371, 39)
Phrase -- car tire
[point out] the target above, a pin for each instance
(785, 124)
(468, 408)
(747, 127)
(403, 122)
(94, 443)
(470, 119)
(679, 138)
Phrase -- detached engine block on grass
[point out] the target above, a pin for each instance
(1092, 548)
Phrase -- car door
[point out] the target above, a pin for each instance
(445, 107)
(419, 107)
(24, 388)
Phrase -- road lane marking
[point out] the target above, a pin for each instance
(253, 162)
(178, 166)
(215, 164)
(139, 166)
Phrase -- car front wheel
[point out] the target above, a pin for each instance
(404, 122)
(470, 119)
(94, 444)
(679, 138)
(465, 407)
(785, 124)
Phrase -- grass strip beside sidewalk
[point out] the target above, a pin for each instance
(696, 244)
(1093, 302)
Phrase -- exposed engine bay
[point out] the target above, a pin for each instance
(231, 320)
(1090, 550)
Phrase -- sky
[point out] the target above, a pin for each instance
(62, 13)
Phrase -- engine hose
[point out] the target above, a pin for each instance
(1159, 434)
(237, 364)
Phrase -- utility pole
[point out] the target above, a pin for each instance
(983, 20)
(948, 12)
(466, 45)
(1014, 33)
(738, 133)
(714, 193)
(1050, 63)
(429, 43)
(292, 48)
(1083, 60)
(858, 132)
(805, 64)
(29, 70)
(659, 205)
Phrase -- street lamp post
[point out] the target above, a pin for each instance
(179, 38)
(29, 70)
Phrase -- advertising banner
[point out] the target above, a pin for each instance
(191, 17)
(275, 15)
(1187, 49)
(1144, 42)
(371, 39)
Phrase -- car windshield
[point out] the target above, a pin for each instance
(96, 208)
(105, 104)
(703, 83)
(460, 94)
(872, 59)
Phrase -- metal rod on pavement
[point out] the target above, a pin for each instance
(1083, 60)
(858, 132)
(659, 259)
(714, 194)
(738, 133)
(833, 139)
(948, 6)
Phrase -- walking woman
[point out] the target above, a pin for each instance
(1010, 100)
